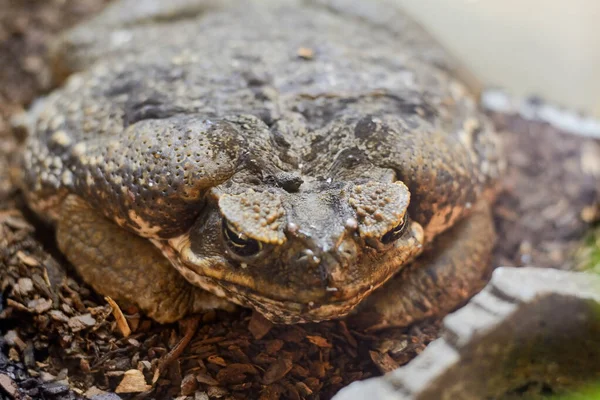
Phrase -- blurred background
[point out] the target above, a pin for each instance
(545, 48)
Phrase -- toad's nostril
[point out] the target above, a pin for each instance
(348, 251)
(311, 258)
(308, 258)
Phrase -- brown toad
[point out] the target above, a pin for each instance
(290, 156)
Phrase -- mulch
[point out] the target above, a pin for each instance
(60, 340)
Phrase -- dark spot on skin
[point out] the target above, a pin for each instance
(122, 87)
(289, 182)
(137, 109)
(317, 146)
(349, 158)
(419, 304)
(365, 128)
(279, 139)
(443, 176)
(420, 214)
(412, 123)
(431, 272)
(267, 116)
(411, 105)
(319, 112)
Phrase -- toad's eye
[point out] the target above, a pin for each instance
(240, 244)
(397, 231)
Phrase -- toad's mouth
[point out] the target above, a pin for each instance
(292, 312)
(285, 305)
(277, 310)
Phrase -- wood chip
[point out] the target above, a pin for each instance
(319, 369)
(313, 383)
(27, 259)
(205, 378)
(40, 305)
(347, 334)
(235, 373)
(94, 391)
(277, 370)
(80, 322)
(9, 386)
(13, 339)
(300, 371)
(119, 317)
(201, 396)
(58, 315)
(23, 286)
(216, 360)
(16, 305)
(216, 392)
(383, 361)
(319, 341)
(15, 220)
(13, 355)
(271, 392)
(303, 389)
(189, 384)
(259, 326)
(273, 346)
(133, 382)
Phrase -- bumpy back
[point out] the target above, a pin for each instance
(171, 108)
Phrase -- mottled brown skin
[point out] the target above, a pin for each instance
(291, 157)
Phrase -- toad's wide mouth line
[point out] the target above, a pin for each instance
(281, 310)
(284, 310)
(279, 303)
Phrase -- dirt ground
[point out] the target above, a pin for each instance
(59, 340)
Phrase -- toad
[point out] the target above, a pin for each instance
(308, 159)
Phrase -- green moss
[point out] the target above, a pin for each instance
(588, 256)
(589, 393)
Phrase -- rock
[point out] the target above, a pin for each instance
(528, 327)
(54, 388)
(106, 396)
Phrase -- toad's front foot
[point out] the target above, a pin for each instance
(438, 281)
(126, 267)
